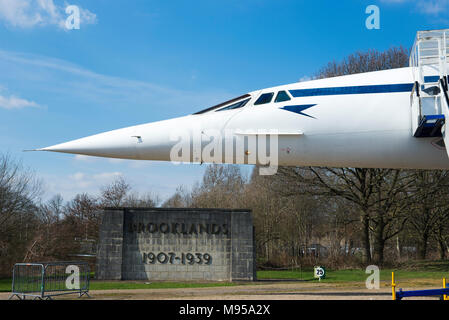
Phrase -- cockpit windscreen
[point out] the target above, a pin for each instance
(230, 102)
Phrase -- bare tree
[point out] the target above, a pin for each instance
(181, 199)
(371, 60)
(222, 187)
(83, 211)
(114, 195)
(358, 186)
(18, 190)
(148, 200)
(430, 211)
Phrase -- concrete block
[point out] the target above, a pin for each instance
(226, 235)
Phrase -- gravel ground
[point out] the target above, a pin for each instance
(263, 291)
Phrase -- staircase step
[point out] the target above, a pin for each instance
(430, 126)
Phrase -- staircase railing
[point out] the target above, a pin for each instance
(445, 109)
(444, 87)
(445, 102)
(415, 102)
(430, 54)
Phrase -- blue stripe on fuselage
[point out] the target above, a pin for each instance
(428, 79)
(383, 88)
(299, 109)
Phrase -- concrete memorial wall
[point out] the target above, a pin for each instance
(176, 244)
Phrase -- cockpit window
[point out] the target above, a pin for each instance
(224, 104)
(265, 98)
(237, 105)
(282, 96)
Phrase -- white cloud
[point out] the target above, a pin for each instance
(64, 85)
(162, 178)
(32, 13)
(135, 164)
(83, 158)
(107, 176)
(13, 102)
(88, 17)
(140, 164)
(394, 1)
(69, 185)
(79, 176)
(117, 160)
(81, 180)
(436, 8)
(58, 78)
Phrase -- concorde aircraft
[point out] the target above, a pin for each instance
(384, 119)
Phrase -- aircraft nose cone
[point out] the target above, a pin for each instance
(152, 141)
(113, 144)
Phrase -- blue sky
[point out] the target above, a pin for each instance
(139, 61)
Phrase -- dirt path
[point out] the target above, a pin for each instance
(261, 291)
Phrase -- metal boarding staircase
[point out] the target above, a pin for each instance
(430, 97)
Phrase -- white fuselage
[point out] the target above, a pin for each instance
(361, 120)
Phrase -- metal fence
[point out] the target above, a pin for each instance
(48, 279)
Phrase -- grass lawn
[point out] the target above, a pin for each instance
(356, 275)
(111, 285)
(432, 271)
(417, 270)
(5, 285)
